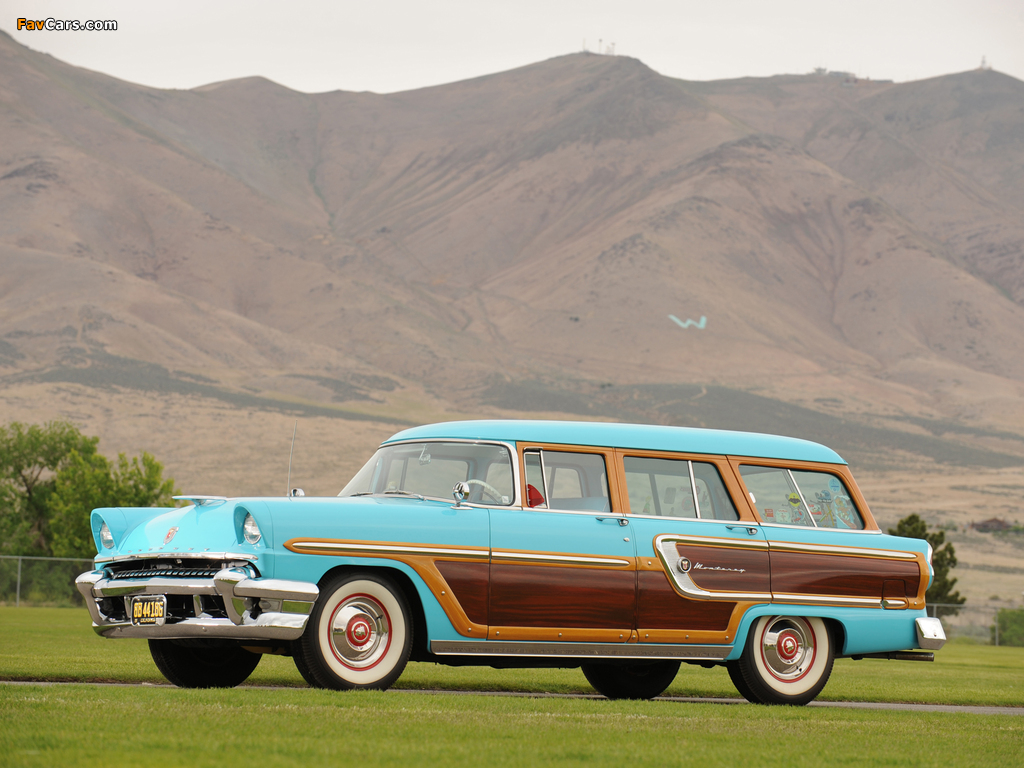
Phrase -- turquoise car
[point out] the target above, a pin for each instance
(621, 549)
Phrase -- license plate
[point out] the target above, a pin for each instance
(149, 610)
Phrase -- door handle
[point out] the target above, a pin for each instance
(621, 520)
(748, 528)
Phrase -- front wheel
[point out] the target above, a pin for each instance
(787, 660)
(203, 663)
(631, 681)
(359, 634)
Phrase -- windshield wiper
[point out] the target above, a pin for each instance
(406, 493)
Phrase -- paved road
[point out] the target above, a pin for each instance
(683, 699)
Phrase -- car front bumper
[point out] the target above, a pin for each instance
(253, 608)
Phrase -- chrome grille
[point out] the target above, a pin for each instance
(169, 568)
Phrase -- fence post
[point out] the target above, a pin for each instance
(997, 627)
(17, 589)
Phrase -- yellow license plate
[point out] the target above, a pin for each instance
(149, 610)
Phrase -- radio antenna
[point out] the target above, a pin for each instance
(288, 490)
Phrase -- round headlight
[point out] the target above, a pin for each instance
(105, 538)
(250, 530)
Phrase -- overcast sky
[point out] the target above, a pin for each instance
(395, 45)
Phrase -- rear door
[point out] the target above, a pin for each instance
(699, 564)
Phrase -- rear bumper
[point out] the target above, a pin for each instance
(253, 608)
(930, 635)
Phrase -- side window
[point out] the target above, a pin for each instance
(801, 497)
(775, 495)
(712, 498)
(829, 499)
(659, 487)
(575, 481)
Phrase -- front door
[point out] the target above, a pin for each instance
(563, 567)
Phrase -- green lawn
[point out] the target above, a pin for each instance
(59, 644)
(85, 725)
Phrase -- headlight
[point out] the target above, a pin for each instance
(250, 529)
(106, 538)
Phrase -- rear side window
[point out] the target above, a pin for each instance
(801, 497)
(676, 488)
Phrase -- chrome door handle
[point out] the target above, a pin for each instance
(749, 529)
(622, 520)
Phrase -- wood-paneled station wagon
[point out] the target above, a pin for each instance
(621, 549)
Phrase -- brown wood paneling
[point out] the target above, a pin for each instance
(468, 582)
(661, 607)
(800, 573)
(749, 568)
(550, 596)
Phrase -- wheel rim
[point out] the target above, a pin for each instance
(788, 648)
(360, 632)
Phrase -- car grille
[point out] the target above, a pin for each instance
(169, 568)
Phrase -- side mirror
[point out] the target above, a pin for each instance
(460, 492)
(297, 492)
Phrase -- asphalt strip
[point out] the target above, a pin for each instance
(950, 708)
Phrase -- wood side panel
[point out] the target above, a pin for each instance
(661, 607)
(815, 574)
(468, 582)
(551, 596)
(743, 570)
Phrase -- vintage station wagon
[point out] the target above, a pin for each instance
(621, 549)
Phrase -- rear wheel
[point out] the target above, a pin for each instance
(359, 634)
(787, 660)
(203, 663)
(631, 681)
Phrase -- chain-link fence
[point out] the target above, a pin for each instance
(39, 581)
(984, 624)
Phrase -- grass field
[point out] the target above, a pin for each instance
(88, 725)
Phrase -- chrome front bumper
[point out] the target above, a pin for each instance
(256, 609)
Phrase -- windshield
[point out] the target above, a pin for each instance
(433, 469)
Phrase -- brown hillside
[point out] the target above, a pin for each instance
(518, 243)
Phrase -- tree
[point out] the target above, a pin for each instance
(943, 561)
(51, 478)
(87, 483)
(30, 457)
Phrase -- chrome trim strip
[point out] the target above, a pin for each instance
(671, 558)
(155, 586)
(837, 549)
(837, 600)
(394, 549)
(859, 531)
(576, 650)
(714, 541)
(571, 559)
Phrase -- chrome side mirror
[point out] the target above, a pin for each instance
(460, 492)
(297, 492)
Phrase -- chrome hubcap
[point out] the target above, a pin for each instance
(788, 648)
(360, 632)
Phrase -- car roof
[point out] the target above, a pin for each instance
(637, 436)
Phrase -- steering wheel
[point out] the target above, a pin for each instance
(489, 489)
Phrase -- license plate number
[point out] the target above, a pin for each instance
(149, 610)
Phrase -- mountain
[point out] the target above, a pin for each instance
(807, 255)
